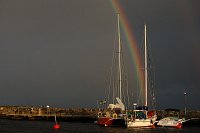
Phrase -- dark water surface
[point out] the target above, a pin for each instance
(17, 126)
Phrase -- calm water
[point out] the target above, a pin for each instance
(14, 126)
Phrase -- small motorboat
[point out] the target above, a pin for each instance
(171, 122)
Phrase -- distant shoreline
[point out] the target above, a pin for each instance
(70, 114)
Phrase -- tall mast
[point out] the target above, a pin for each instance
(145, 61)
(119, 58)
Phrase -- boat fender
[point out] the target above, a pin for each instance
(99, 114)
(114, 115)
(150, 114)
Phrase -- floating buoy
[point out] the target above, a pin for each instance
(179, 125)
(56, 126)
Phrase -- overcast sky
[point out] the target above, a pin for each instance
(59, 52)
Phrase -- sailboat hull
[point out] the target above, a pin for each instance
(140, 123)
(141, 118)
(109, 121)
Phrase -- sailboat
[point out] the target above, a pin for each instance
(114, 114)
(140, 116)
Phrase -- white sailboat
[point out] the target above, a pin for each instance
(140, 116)
(114, 114)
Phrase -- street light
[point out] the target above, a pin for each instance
(185, 102)
(48, 109)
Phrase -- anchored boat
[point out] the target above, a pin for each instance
(140, 116)
(172, 119)
(171, 122)
(114, 113)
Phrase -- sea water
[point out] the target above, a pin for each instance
(21, 126)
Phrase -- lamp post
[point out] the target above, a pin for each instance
(48, 109)
(185, 102)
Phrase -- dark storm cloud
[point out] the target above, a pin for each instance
(59, 52)
(51, 51)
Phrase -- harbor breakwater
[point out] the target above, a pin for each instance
(68, 114)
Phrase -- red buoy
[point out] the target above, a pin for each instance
(179, 125)
(56, 126)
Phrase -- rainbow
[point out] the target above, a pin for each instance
(132, 44)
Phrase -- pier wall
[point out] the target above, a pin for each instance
(69, 114)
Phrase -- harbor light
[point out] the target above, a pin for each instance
(185, 103)
(48, 109)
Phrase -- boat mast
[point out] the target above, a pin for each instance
(145, 62)
(119, 58)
